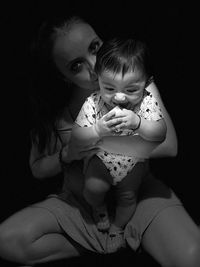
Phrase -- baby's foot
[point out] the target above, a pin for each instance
(115, 239)
(101, 218)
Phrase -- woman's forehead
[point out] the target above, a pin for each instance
(75, 42)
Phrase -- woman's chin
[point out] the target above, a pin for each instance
(95, 85)
(91, 87)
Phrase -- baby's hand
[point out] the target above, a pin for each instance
(129, 119)
(106, 126)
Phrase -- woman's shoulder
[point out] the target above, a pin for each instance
(65, 121)
(151, 87)
(94, 97)
(149, 81)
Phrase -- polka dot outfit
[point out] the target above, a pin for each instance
(94, 108)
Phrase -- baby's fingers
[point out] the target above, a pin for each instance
(114, 122)
(120, 126)
(109, 115)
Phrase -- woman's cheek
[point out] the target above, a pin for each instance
(80, 79)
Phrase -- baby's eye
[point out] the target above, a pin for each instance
(109, 89)
(132, 90)
(94, 47)
(76, 67)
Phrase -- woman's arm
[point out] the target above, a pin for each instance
(84, 135)
(47, 164)
(169, 147)
(44, 165)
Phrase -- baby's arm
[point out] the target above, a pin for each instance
(92, 134)
(88, 129)
(152, 125)
(148, 122)
(152, 130)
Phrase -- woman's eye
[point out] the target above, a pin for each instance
(76, 67)
(95, 47)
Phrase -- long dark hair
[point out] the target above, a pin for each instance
(49, 93)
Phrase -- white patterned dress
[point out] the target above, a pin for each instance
(94, 108)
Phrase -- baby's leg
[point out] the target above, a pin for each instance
(97, 183)
(126, 192)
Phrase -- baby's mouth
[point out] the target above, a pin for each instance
(122, 105)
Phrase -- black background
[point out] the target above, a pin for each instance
(168, 28)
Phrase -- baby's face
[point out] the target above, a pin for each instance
(123, 91)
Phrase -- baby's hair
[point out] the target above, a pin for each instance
(122, 56)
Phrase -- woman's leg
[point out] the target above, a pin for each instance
(33, 235)
(173, 239)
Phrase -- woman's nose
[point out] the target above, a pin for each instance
(93, 75)
(120, 97)
(91, 62)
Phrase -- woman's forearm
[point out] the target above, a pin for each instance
(169, 147)
(128, 145)
(84, 135)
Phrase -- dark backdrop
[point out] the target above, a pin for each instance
(168, 31)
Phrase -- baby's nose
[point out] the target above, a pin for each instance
(120, 97)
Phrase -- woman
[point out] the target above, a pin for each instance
(61, 226)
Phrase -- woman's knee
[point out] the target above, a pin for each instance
(13, 243)
(18, 233)
(191, 257)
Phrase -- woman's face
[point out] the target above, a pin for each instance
(75, 55)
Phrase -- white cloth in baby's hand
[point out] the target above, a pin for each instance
(118, 111)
